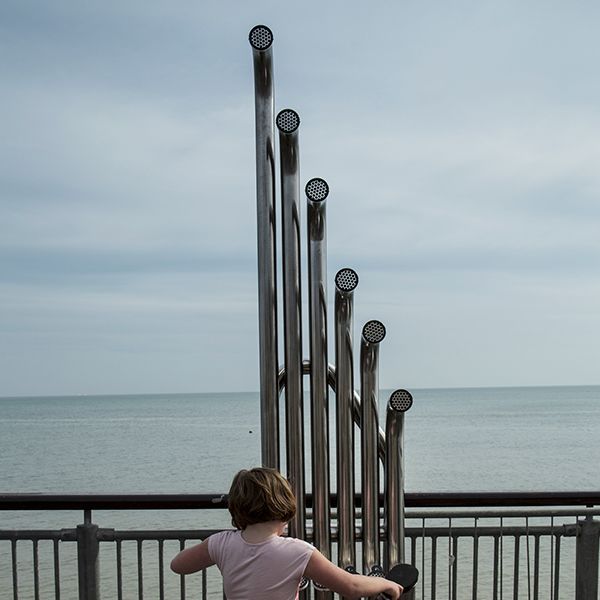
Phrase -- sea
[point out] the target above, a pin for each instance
(469, 439)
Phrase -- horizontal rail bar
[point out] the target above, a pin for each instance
(447, 499)
(112, 535)
(219, 501)
(508, 513)
(112, 501)
(61, 535)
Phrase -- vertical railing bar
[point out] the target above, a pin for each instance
(140, 571)
(516, 567)
(454, 567)
(450, 563)
(36, 570)
(15, 575)
(56, 570)
(528, 558)
(422, 555)
(182, 577)
(557, 567)
(433, 568)
(552, 540)
(536, 567)
(119, 571)
(501, 557)
(475, 559)
(495, 575)
(161, 570)
(204, 587)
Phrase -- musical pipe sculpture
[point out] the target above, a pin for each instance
(352, 409)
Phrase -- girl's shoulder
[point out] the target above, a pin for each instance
(222, 538)
(294, 543)
(221, 542)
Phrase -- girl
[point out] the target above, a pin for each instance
(256, 562)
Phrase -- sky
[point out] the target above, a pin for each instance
(460, 141)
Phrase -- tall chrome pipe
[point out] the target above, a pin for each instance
(261, 40)
(356, 413)
(372, 334)
(317, 191)
(288, 123)
(400, 401)
(346, 281)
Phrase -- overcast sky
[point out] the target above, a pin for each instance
(460, 140)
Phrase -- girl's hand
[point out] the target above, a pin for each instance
(393, 592)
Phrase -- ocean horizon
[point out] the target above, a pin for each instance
(476, 438)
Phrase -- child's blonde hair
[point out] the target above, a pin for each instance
(260, 495)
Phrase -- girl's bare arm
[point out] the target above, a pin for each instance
(324, 572)
(192, 559)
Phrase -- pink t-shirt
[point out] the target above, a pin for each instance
(270, 570)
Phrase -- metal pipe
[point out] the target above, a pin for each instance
(261, 40)
(317, 191)
(400, 401)
(356, 413)
(288, 122)
(346, 281)
(372, 334)
(332, 382)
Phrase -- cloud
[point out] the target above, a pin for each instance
(460, 144)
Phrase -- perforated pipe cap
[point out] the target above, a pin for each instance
(319, 587)
(317, 189)
(373, 332)
(261, 37)
(287, 120)
(304, 583)
(400, 400)
(346, 280)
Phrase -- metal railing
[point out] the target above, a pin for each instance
(466, 546)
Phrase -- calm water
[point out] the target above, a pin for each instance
(456, 440)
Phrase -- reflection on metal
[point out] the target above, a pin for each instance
(261, 40)
(352, 409)
(400, 401)
(288, 122)
(346, 281)
(372, 334)
(317, 191)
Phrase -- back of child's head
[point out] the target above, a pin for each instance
(260, 495)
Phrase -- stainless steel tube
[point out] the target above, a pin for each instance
(346, 281)
(356, 412)
(288, 122)
(317, 191)
(372, 334)
(400, 401)
(261, 40)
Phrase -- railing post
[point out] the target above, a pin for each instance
(87, 558)
(586, 561)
